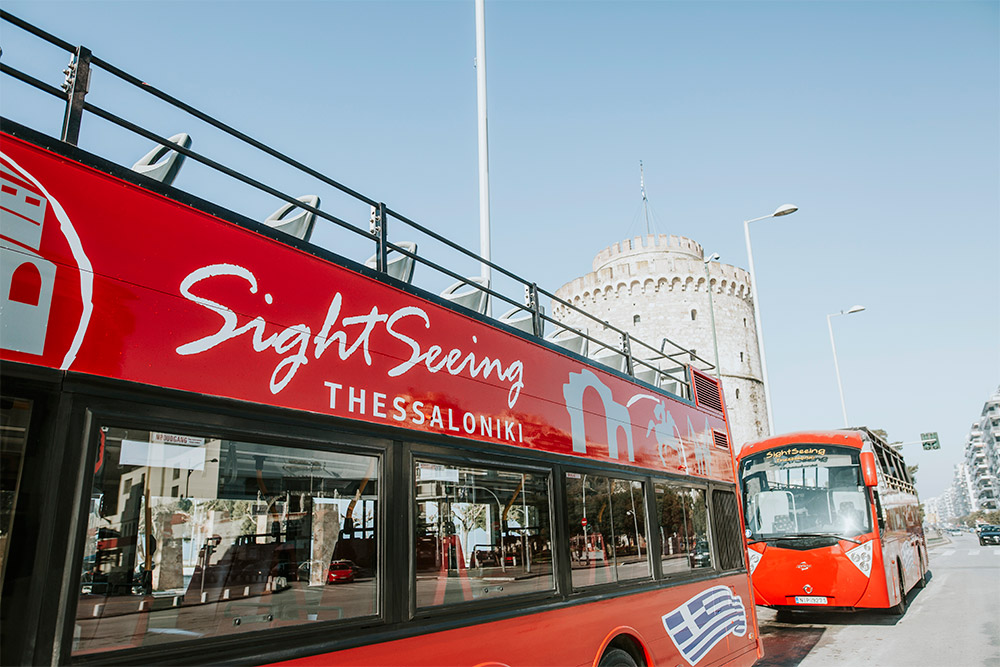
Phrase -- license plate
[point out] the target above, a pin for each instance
(810, 599)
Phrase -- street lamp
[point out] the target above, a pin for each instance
(784, 209)
(836, 366)
(711, 312)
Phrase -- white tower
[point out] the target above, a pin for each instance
(655, 287)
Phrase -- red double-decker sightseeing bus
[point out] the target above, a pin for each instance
(223, 443)
(832, 522)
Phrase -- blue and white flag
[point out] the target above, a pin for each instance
(704, 620)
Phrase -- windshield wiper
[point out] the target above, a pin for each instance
(801, 535)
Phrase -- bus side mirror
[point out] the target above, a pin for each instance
(869, 471)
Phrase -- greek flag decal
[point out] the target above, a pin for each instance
(704, 620)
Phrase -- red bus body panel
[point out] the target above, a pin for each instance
(575, 636)
(214, 308)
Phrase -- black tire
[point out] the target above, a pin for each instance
(785, 616)
(900, 608)
(922, 581)
(616, 657)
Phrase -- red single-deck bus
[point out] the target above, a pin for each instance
(223, 443)
(832, 522)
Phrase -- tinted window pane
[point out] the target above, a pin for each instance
(726, 528)
(480, 534)
(15, 416)
(591, 538)
(631, 554)
(682, 513)
(247, 537)
(607, 529)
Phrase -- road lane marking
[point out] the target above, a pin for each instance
(948, 552)
(973, 552)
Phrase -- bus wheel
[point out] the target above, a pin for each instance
(922, 581)
(900, 609)
(616, 657)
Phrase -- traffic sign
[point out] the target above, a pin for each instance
(930, 440)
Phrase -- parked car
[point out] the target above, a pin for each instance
(701, 556)
(989, 535)
(341, 572)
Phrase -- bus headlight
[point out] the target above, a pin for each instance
(753, 557)
(861, 556)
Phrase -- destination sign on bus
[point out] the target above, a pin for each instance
(792, 455)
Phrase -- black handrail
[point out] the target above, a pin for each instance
(75, 90)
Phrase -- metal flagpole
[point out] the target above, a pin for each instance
(484, 160)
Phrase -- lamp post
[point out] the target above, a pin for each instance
(836, 366)
(711, 312)
(784, 209)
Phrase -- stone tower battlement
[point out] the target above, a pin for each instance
(640, 246)
(645, 265)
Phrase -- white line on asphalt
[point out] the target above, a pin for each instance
(973, 552)
(948, 552)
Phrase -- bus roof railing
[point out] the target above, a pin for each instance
(664, 366)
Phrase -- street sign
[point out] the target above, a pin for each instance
(583, 521)
(930, 440)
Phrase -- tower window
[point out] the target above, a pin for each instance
(694, 314)
(636, 319)
(741, 357)
(737, 394)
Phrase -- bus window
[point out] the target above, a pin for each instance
(809, 489)
(248, 536)
(607, 529)
(480, 534)
(15, 416)
(683, 523)
(726, 530)
(631, 552)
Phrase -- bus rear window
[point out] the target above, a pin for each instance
(191, 537)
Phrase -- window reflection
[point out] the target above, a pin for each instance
(15, 416)
(191, 537)
(683, 518)
(607, 529)
(480, 534)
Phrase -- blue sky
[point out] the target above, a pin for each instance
(880, 120)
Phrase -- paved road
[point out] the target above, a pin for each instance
(954, 622)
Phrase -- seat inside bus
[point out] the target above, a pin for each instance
(850, 508)
(776, 511)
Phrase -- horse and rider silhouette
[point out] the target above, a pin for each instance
(667, 435)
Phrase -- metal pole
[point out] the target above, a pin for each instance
(760, 330)
(76, 86)
(484, 160)
(836, 367)
(635, 519)
(711, 311)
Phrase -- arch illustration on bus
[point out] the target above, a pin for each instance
(832, 522)
(224, 442)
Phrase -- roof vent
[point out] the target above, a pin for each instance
(721, 440)
(707, 393)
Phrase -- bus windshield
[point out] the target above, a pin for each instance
(804, 490)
